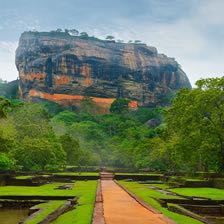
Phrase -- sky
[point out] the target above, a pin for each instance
(191, 31)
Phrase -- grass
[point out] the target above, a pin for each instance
(82, 214)
(149, 196)
(78, 174)
(47, 189)
(212, 193)
(45, 209)
(23, 177)
(195, 179)
(148, 174)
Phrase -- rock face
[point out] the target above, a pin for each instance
(65, 69)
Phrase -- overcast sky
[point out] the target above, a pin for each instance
(192, 31)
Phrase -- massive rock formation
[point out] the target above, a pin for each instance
(65, 69)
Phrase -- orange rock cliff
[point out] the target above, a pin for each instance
(66, 69)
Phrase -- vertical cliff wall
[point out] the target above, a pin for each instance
(65, 69)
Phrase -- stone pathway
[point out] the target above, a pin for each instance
(120, 208)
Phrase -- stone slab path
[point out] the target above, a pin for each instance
(120, 208)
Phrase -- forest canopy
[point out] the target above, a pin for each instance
(46, 137)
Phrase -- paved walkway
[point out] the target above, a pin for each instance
(120, 208)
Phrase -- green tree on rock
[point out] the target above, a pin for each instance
(119, 106)
(110, 37)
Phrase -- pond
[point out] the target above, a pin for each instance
(13, 216)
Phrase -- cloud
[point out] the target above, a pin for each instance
(7, 60)
(191, 31)
(195, 40)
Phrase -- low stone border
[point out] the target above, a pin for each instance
(181, 210)
(98, 215)
(73, 177)
(145, 205)
(36, 197)
(142, 177)
(68, 205)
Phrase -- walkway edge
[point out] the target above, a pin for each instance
(145, 205)
(98, 214)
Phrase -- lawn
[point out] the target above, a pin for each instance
(45, 209)
(23, 177)
(82, 214)
(78, 174)
(148, 195)
(212, 193)
(140, 174)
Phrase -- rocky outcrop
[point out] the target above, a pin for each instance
(65, 69)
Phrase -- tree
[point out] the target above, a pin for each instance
(66, 117)
(8, 135)
(84, 34)
(5, 105)
(38, 148)
(37, 153)
(59, 30)
(32, 120)
(87, 105)
(120, 41)
(6, 163)
(72, 148)
(75, 32)
(109, 37)
(119, 106)
(138, 41)
(197, 117)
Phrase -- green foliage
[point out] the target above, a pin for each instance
(197, 119)
(6, 163)
(69, 117)
(27, 137)
(144, 114)
(52, 107)
(109, 37)
(9, 89)
(36, 138)
(32, 120)
(84, 35)
(5, 104)
(138, 41)
(8, 135)
(36, 154)
(88, 106)
(72, 148)
(119, 106)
